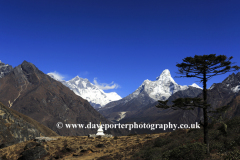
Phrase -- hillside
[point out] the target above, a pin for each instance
(29, 91)
(16, 127)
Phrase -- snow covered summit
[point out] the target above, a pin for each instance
(165, 75)
(195, 85)
(162, 88)
(85, 89)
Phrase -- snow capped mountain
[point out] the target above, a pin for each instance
(85, 89)
(232, 82)
(162, 88)
(195, 85)
(147, 93)
(4, 69)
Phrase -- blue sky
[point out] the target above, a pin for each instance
(117, 43)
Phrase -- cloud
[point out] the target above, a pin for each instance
(56, 75)
(105, 86)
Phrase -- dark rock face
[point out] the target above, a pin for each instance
(191, 92)
(33, 93)
(15, 127)
(4, 69)
(224, 94)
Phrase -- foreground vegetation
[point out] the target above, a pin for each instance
(189, 144)
(176, 145)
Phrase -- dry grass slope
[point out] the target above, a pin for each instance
(180, 144)
(85, 148)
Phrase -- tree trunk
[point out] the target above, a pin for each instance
(205, 126)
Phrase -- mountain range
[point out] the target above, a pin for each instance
(147, 93)
(35, 94)
(85, 89)
(29, 91)
(218, 95)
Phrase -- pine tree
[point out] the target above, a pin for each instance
(203, 67)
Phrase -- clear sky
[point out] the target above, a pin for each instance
(119, 43)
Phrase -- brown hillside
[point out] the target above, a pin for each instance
(33, 93)
(16, 127)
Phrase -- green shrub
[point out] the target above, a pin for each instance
(187, 152)
(213, 134)
(159, 142)
(234, 124)
(137, 154)
(217, 145)
(194, 134)
(211, 125)
(152, 154)
(233, 155)
(174, 143)
(237, 140)
(223, 129)
(229, 144)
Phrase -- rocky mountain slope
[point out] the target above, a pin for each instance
(226, 93)
(150, 113)
(16, 127)
(29, 91)
(85, 89)
(148, 93)
(154, 115)
(220, 94)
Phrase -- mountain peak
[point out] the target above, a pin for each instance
(232, 78)
(25, 61)
(78, 79)
(195, 85)
(85, 89)
(164, 74)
